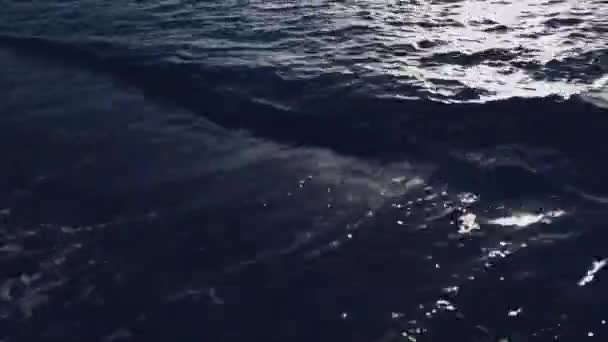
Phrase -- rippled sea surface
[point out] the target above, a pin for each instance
(370, 171)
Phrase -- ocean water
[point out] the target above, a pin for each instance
(370, 171)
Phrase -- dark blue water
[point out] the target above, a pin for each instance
(255, 170)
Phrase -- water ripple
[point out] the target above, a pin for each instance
(553, 49)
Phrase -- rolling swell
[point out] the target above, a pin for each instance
(389, 127)
(200, 232)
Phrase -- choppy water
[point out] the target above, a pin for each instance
(313, 170)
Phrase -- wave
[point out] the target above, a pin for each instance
(341, 118)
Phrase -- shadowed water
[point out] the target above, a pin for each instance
(314, 170)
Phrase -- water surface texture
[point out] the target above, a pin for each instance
(370, 171)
